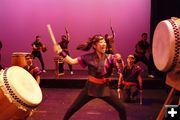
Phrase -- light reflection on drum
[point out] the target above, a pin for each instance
(166, 45)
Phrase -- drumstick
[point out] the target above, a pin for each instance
(140, 98)
(119, 93)
(51, 34)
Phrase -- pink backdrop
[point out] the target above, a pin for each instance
(22, 20)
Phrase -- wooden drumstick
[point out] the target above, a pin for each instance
(140, 98)
(51, 34)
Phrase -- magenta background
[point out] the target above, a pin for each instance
(22, 20)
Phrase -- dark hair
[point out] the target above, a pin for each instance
(37, 36)
(144, 34)
(63, 37)
(88, 44)
(28, 55)
(106, 36)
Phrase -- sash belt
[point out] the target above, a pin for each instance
(98, 80)
(128, 83)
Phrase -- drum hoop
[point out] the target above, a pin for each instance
(177, 44)
(13, 96)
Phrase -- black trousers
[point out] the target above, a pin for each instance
(70, 66)
(84, 98)
(39, 56)
(129, 92)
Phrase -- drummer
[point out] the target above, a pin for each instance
(64, 45)
(1, 67)
(31, 68)
(36, 52)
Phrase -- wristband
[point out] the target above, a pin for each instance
(63, 54)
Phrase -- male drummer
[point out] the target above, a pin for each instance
(131, 84)
(110, 40)
(1, 67)
(31, 68)
(142, 47)
(37, 46)
(64, 45)
(0, 49)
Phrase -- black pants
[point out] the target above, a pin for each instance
(61, 67)
(144, 60)
(39, 56)
(130, 92)
(70, 66)
(84, 98)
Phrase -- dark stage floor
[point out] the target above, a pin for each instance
(57, 100)
(60, 92)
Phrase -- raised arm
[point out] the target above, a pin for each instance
(113, 33)
(58, 50)
(67, 34)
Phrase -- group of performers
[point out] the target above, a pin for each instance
(38, 46)
(100, 64)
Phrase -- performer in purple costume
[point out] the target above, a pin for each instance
(132, 80)
(99, 70)
(31, 68)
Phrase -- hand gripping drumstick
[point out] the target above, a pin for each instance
(51, 34)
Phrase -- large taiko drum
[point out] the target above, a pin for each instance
(18, 59)
(20, 94)
(166, 45)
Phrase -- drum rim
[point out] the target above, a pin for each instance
(176, 50)
(177, 44)
(22, 53)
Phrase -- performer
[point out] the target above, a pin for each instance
(37, 46)
(99, 70)
(132, 80)
(140, 53)
(110, 40)
(64, 45)
(0, 49)
(31, 68)
(119, 60)
(1, 67)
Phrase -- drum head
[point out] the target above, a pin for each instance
(164, 45)
(23, 85)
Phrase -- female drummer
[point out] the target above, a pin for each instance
(99, 70)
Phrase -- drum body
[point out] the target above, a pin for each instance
(59, 65)
(44, 48)
(19, 94)
(18, 59)
(166, 45)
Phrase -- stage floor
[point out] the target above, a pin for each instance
(60, 91)
(57, 100)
